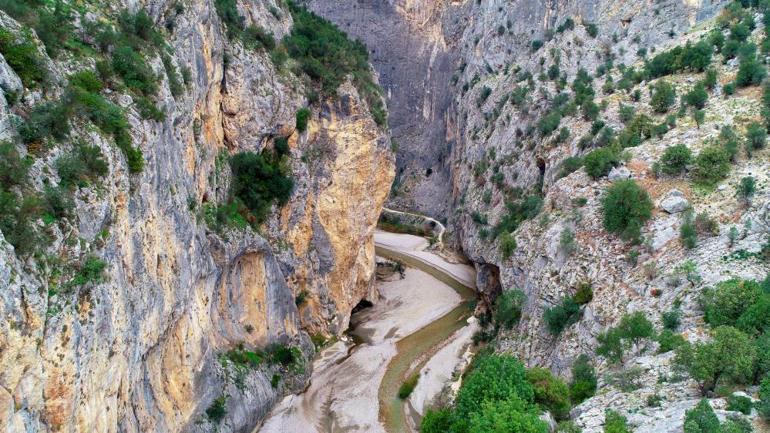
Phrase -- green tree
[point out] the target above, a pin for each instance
(495, 378)
(508, 307)
(436, 421)
(561, 316)
(750, 72)
(701, 419)
(635, 327)
(756, 318)
(697, 97)
(551, 393)
(728, 359)
(599, 162)
(675, 159)
(711, 165)
(583, 383)
(747, 188)
(258, 181)
(663, 96)
(303, 115)
(626, 207)
(511, 414)
(725, 303)
(756, 137)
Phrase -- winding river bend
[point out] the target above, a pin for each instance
(421, 324)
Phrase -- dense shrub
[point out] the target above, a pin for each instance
(136, 73)
(711, 165)
(258, 181)
(632, 330)
(592, 30)
(701, 419)
(755, 319)
(517, 212)
(583, 383)
(562, 315)
(726, 360)
(756, 137)
(750, 72)
(549, 123)
(551, 393)
(508, 307)
(626, 207)
(669, 340)
(91, 271)
(302, 117)
(584, 293)
(328, 57)
(739, 403)
(694, 57)
(671, 319)
(663, 96)
(763, 407)
(13, 168)
(746, 188)
(687, 232)
(697, 97)
(22, 56)
(217, 411)
(406, 388)
(507, 415)
(725, 303)
(81, 167)
(495, 378)
(507, 245)
(615, 422)
(599, 162)
(50, 119)
(675, 159)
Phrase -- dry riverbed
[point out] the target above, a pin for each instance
(344, 392)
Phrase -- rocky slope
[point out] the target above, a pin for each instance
(142, 345)
(498, 156)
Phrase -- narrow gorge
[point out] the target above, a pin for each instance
(391, 216)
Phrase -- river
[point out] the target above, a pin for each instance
(421, 323)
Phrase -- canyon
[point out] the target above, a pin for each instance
(154, 297)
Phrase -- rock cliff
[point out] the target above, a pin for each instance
(162, 335)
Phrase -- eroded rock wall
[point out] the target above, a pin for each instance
(139, 351)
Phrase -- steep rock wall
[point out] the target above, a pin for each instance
(139, 351)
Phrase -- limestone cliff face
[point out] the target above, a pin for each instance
(139, 351)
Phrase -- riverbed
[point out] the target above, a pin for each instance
(421, 323)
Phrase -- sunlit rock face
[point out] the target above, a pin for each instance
(141, 351)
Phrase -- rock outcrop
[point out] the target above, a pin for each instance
(142, 349)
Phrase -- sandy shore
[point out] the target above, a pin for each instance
(343, 395)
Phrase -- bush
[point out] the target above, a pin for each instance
(730, 142)
(756, 318)
(599, 162)
(517, 212)
(216, 412)
(747, 188)
(561, 316)
(724, 304)
(626, 112)
(506, 415)
(570, 165)
(507, 245)
(551, 393)
(663, 96)
(668, 341)
(22, 56)
(406, 388)
(436, 421)
(701, 419)
(91, 272)
(136, 73)
(303, 115)
(508, 308)
(726, 360)
(592, 30)
(584, 294)
(750, 72)
(258, 181)
(549, 123)
(13, 168)
(763, 407)
(615, 422)
(675, 159)
(697, 97)
(671, 319)
(687, 232)
(494, 378)
(626, 207)
(739, 403)
(583, 384)
(756, 137)
(711, 165)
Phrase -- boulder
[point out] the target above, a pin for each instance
(674, 202)
(619, 173)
